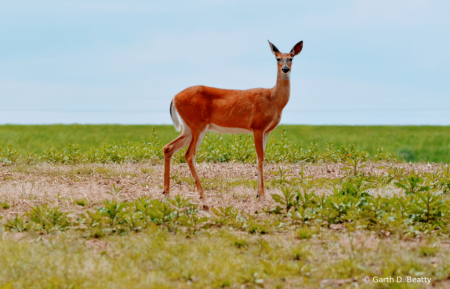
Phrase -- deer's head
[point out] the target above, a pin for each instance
(284, 60)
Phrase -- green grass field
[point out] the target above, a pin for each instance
(415, 143)
(94, 216)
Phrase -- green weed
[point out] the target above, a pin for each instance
(49, 219)
(81, 202)
(412, 184)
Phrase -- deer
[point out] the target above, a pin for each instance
(202, 109)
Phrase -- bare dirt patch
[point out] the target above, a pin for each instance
(75, 187)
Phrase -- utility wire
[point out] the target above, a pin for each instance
(160, 111)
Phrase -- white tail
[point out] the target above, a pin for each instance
(174, 115)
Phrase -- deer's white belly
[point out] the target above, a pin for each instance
(222, 129)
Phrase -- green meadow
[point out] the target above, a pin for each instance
(412, 143)
(81, 206)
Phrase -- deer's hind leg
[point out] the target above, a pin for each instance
(196, 140)
(169, 150)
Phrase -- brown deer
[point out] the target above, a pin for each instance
(203, 108)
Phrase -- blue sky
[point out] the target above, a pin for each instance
(363, 62)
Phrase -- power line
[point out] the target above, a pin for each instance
(161, 111)
(85, 110)
(369, 110)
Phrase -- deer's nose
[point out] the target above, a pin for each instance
(285, 69)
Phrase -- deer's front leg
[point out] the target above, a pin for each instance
(259, 145)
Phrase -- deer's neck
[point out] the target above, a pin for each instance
(282, 90)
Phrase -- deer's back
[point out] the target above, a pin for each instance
(223, 107)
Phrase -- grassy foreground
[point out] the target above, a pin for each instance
(323, 225)
(220, 258)
(73, 216)
(414, 143)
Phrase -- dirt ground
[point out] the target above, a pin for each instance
(226, 184)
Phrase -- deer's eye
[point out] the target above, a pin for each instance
(290, 59)
(278, 59)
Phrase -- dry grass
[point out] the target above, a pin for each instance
(157, 259)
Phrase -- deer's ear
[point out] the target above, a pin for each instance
(273, 48)
(297, 48)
